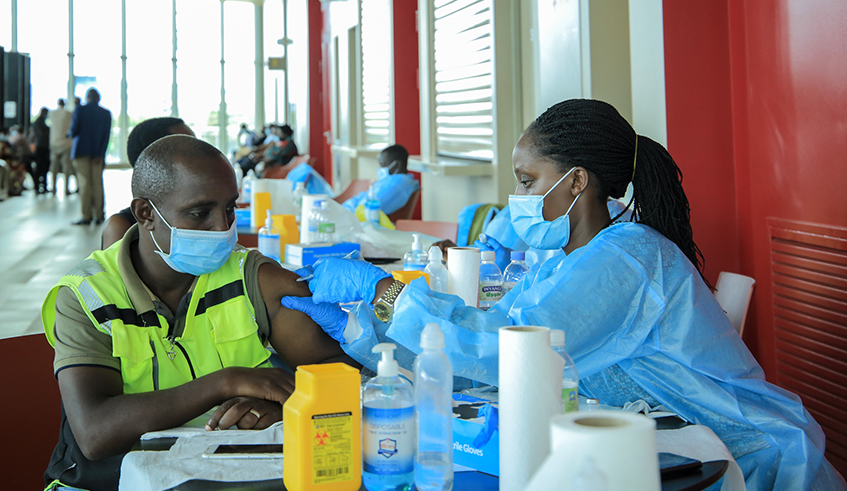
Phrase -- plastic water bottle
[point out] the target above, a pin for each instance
(438, 274)
(247, 186)
(416, 259)
(514, 271)
(372, 206)
(299, 191)
(434, 411)
(321, 223)
(388, 427)
(269, 239)
(490, 281)
(570, 379)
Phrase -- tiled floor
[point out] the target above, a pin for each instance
(39, 245)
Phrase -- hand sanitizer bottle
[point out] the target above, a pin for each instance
(416, 259)
(372, 207)
(388, 427)
(269, 239)
(438, 274)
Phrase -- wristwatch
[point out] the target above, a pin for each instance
(384, 306)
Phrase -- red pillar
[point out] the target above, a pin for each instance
(319, 109)
(407, 112)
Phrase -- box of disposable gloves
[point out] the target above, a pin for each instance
(476, 441)
(306, 254)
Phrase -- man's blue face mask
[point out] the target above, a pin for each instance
(383, 172)
(528, 220)
(197, 252)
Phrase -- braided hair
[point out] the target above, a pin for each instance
(593, 135)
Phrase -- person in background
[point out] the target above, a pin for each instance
(641, 322)
(145, 133)
(393, 185)
(60, 145)
(39, 136)
(91, 126)
(133, 357)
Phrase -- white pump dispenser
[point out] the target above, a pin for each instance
(387, 367)
(416, 259)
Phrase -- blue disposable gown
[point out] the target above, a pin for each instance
(315, 183)
(640, 324)
(393, 192)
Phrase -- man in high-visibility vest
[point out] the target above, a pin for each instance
(172, 320)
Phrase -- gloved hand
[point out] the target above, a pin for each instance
(329, 316)
(492, 422)
(502, 255)
(343, 280)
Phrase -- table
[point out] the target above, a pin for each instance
(704, 477)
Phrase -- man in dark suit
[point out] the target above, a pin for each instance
(90, 129)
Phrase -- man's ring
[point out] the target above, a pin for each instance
(256, 413)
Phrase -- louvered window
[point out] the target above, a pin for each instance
(376, 71)
(463, 58)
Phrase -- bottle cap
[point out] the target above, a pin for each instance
(416, 243)
(269, 221)
(557, 338)
(387, 367)
(517, 255)
(435, 255)
(432, 337)
(488, 255)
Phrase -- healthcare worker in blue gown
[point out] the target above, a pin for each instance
(640, 321)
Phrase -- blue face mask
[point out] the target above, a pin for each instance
(528, 221)
(383, 172)
(197, 252)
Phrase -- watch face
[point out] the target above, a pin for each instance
(382, 312)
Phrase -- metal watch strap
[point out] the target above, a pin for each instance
(390, 295)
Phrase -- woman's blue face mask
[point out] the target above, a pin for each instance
(527, 213)
(196, 252)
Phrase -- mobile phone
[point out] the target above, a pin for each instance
(244, 451)
(673, 464)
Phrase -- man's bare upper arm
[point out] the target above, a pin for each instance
(294, 335)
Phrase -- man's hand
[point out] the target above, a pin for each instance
(271, 384)
(247, 413)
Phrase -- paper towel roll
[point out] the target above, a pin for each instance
(530, 394)
(463, 268)
(308, 202)
(608, 450)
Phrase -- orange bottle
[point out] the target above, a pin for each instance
(323, 430)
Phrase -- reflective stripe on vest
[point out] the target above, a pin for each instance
(220, 320)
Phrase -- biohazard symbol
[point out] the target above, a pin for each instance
(321, 438)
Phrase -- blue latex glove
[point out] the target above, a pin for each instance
(329, 316)
(492, 422)
(339, 280)
(502, 255)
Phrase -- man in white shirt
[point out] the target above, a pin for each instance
(60, 144)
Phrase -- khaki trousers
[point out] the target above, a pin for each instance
(89, 175)
(60, 161)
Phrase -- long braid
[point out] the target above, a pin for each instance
(593, 135)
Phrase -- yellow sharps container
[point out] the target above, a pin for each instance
(323, 430)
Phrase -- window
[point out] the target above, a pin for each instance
(240, 78)
(198, 27)
(97, 59)
(149, 69)
(463, 71)
(48, 49)
(376, 71)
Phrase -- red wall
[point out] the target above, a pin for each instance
(757, 120)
